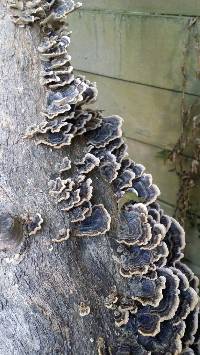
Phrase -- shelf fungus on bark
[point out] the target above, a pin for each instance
(167, 341)
(135, 260)
(87, 164)
(55, 46)
(123, 180)
(134, 226)
(128, 344)
(131, 178)
(63, 235)
(146, 189)
(53, 126)
(84, 309)
(145, 290)
(43, 11)
(188, 299)
(175, 240)
(34, 224)
(192, 279)
(59, 13)
(65, 165)
(137, 169)
(58, 186)
(79, 214)
(166, 303)
(82, 192)
(109, 166)
(109, 130)
(155, 302)
(55, 140)
(97, 223)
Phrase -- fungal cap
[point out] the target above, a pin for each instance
(63, 235)
(84, 310)
(34, 224)
(96, 224)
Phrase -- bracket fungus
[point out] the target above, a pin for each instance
(108, 131)
(84, 310)
(34, 224)
(87, 164)
(65, 165)
(97, 223)
(63, 235)
(155, 303)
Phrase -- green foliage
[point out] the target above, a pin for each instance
(163, 154)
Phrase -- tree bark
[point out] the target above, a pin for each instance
(42, 283)
(53, 292)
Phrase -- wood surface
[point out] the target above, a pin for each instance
(176, 7)
(42, 283)
(138, 48)
(151, 115)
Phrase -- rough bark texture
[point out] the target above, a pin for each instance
(53, 294)
(42, 284)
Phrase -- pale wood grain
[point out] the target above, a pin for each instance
(144, 49)
(178, 7)
(150, 115)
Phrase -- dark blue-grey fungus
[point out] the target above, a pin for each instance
(133, 260)
(87, 164)
(123, 180)
(97, 223)
(109, 130)
(34, 224)
(134, 227)
(145, 189)
(175, 240)
(168, 340)
(108, 166)
(191, 324)
(145, 290)
(78, 214)
(55, 140)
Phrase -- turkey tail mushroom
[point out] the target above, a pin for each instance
(155, 303)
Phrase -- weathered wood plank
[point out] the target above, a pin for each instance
(150, 115)
(183, 7)
(165, 179)
(163, 174)
(143, 49)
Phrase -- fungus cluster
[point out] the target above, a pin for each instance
(34, 224)
(84, 310)
(155, 304)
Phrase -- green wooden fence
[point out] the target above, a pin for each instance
(135, 50)
(175, 7)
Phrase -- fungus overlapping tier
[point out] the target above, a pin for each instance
(156, 303)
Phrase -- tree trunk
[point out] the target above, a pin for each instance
(43, 283)
(54, 286)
